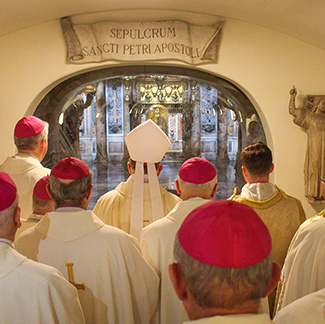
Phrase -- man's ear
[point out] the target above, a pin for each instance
(17, 217)
(43, 142)
(160, 168)
(131, 171)
(177, 279)
(276, 273)
(272, 167)
(214, 191)
(245, 173)
(90, 190)
(178, 188)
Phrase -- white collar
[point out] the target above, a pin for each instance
(68, 224)
(145, 178)
(10, 259)
(259, 191)
(24, 155)
(6, 241)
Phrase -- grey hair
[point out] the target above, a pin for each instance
(42, 206)
(72, 192)
(6, 214)
(200, 188)
(214, 286)
(32, 142)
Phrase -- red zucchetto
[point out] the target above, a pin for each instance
(70, 168)
(8, 191)
(225, 233)
(40, 191)
(197, 170)
(28, 126)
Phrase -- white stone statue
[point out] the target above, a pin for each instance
(313, 121)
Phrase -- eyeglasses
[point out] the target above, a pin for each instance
(323, 180)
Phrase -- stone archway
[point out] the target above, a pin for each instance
(212, 113)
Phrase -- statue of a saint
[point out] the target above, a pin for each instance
(313, 121)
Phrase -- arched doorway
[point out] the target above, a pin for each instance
(202, 114)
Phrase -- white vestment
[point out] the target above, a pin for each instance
(304, 266)
(25, 170)
(119, 286)
(309, 309)
(157, 242)
(35, 293)
(114, 207)
(234, 319)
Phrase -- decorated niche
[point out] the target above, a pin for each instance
(209, 120)
(114, 109)
(209, 102)
(175, 105)
(162, 92)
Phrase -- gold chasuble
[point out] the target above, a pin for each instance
(282, 214)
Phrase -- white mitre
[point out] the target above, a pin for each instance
(146, 143)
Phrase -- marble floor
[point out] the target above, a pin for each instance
(106, 178)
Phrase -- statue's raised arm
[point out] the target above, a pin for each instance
(292, 102)
(312, 118)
